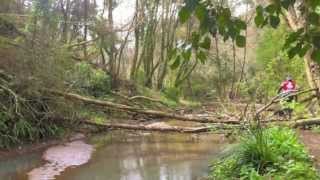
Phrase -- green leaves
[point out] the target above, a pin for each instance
(240, 41)
(259, 19)
(212, 19)
(186, 11)
(293, 52)
(274, 21)
(201, 12)
(286, 3)
(184, 14)
(272, 8)
(240, 24)
(206, 43)
(304, 50)
(313, 18)
(293, 37)
(316, 55)
(176, 63)
(202, 56)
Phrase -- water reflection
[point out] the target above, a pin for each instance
(120, 156)
(151, 157)
(15, 168)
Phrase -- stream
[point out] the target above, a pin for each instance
(120, 155)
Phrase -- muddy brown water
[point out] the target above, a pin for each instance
(120, 156)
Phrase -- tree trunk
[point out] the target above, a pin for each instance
(134, 67)
(85, 52)
(112, 63)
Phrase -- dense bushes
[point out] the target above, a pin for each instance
(90, 81)
(273, 153)
(27, 112)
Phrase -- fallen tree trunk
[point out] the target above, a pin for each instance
(149, 128)
(277, 99)
(121, 107)
(306, 122)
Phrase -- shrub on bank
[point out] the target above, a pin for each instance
(273, 153)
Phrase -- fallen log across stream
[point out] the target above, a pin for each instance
(161, 114)
(161, 128)
(154, 113)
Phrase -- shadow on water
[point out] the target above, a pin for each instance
(131, 156)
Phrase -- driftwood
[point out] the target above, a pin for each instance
(125, 108)
(149, 128)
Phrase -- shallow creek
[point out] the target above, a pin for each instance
(120, 156)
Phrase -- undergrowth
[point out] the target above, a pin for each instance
(273, 153)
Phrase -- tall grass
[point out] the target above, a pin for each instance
(273, 153)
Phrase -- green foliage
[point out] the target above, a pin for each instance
(216, 19)
(213, 19)
(88, 80)
(273, 65)
(305, 38)
(27, 112)
(172, 93)
(273, 153)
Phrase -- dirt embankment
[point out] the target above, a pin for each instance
(312, 142)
